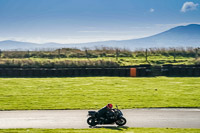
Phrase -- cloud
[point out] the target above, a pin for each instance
(152, 10)
(189, 6)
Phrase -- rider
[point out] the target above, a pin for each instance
(102, 112)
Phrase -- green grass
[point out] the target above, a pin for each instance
(95, 92)
(103, 130)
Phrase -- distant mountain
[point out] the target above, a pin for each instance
(176, 37)
(181, 36)
(16, 45)
(12, 45)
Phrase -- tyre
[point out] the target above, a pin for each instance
(121, 121)
(91, 121)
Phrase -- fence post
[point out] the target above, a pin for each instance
(28, 53)
(146, 55)
(196, 53)
(174, 55)
(58, 53)
(117, 54)
(86, 53)
(66, 53)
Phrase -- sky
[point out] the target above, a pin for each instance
(78, 21)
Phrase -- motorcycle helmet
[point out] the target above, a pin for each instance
(109, 106)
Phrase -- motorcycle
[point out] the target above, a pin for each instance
(112, 117)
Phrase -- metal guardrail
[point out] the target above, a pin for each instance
(180, 71)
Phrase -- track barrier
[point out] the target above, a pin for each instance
(132, 71)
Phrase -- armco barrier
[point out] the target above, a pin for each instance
(197, 72)
(141, 72)
(181, 70)
(65, 72)
(133, 71)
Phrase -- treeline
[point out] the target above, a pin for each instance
(101, 52)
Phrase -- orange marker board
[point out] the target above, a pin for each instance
(132, 72)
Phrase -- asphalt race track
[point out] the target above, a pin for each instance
(167, 118)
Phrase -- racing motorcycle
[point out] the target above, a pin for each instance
(112, 117)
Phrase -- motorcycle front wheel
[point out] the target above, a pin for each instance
(91, 121)
(121, 121)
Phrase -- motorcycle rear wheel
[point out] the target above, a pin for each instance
(91, 121)
(121, 121)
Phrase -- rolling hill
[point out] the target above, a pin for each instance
(181, 36)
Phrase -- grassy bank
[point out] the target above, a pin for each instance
(103, 130)
(95, 92)
(94, 62)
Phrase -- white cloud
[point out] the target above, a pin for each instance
(152, 10)
(189, 6)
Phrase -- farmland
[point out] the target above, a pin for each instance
(99, 57)
(94, 62)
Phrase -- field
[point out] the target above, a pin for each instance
(103, 130)
(99, 57)
(94, 62)
(95, 92)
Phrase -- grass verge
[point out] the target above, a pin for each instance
(103, 130)
(95, 92)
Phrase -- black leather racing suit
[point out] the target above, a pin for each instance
(102, 112)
